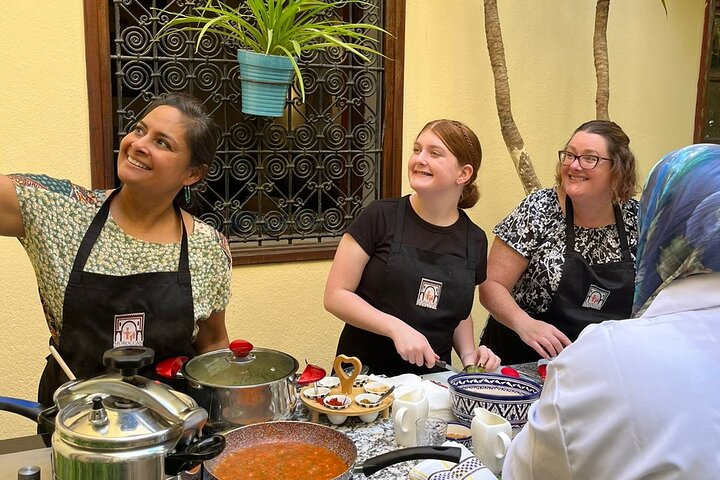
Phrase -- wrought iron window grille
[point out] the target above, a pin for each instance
(280, 183)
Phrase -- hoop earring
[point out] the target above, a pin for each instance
(188, 194)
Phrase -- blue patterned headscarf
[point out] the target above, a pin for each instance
(679, 221)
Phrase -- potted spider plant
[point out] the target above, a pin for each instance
(271, 35)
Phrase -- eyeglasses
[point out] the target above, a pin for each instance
(586, 161)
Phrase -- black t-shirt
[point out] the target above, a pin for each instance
(374, 229)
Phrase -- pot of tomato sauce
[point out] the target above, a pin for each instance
(302, 450)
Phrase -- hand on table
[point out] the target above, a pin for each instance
(544, 338)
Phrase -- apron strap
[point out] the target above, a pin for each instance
(622, 233)
(184, 262)
(471, 239)
(619, 223)
(399, 224)
(569, 225)
(93, 232)
(88, 241)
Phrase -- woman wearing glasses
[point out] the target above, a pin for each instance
(564, 258)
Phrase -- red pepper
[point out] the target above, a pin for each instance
(335, 402)
(542, 371)
(311, 374)
(510, 372)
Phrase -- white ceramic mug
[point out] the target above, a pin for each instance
(406, 409)
(491, 436)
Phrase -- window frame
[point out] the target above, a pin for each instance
(704, 75)
(97, 56)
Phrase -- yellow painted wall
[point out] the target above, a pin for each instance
(654, 63)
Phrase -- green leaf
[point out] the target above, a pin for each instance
(280, 27)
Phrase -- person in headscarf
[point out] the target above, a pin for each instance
(638, 398)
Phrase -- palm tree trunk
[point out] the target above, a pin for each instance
(510, 133)
(600, 54)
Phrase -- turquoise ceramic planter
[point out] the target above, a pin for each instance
(265, 80)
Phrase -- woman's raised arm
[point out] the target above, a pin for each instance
(10, 218)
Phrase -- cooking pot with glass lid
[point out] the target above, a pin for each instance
(241, 385)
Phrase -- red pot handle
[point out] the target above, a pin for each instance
(241, 348)
(170, 367)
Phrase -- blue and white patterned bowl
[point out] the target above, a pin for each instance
(507, 396)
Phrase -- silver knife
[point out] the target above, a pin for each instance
(447, 366)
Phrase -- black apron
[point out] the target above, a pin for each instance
(586, 294)
(429, 291)
(104, 311)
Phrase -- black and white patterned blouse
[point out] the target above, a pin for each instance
(536, 230)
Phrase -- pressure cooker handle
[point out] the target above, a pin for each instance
(197, 452)
(128, 359)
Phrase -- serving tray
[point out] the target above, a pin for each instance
(353, 410)
(345, 388)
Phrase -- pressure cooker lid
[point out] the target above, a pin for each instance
(108, 422)
(240, 366)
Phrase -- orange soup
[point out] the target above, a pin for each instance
(289, 461)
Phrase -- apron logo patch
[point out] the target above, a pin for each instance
(429, 294)
(596, 297)
(129, 330)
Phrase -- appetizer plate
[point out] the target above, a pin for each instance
(367, 400)
(316, 392)
(360, 380)
(329, 382)
(337, 402)
(457, 432)
(377, 387)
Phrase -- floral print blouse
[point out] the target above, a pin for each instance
(56, 214)
(536, 230)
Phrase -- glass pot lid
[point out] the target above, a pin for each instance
(240, 366)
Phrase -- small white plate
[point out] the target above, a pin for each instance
(329, 382)
(316, 392)
(377, 388)
(367, 400)
(360, 380)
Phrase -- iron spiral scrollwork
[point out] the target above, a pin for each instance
(288, 181)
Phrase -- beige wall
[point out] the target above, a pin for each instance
(653, 69)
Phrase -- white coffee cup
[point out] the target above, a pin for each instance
(406, 409)
(491, 436)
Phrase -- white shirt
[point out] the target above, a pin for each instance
(632, 399)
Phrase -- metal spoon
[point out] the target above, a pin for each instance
(384, 395)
